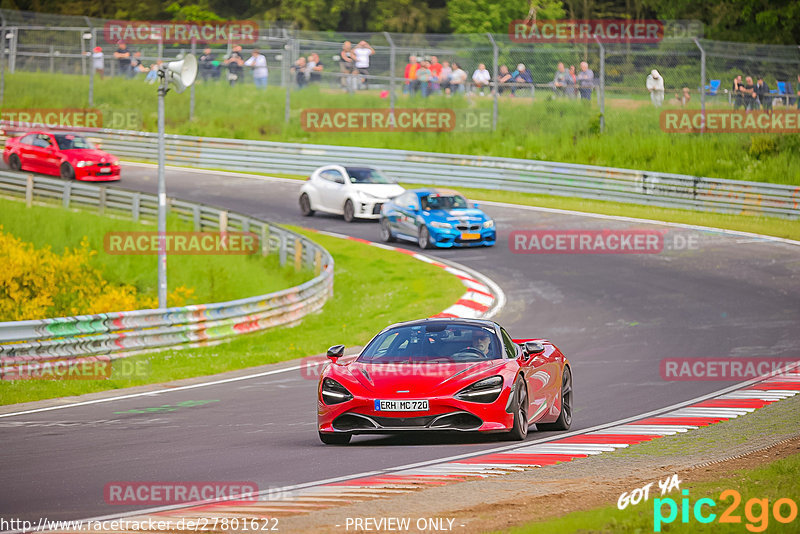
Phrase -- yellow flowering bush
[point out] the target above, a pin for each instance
(38, 283)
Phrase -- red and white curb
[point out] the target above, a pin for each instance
(483, 298)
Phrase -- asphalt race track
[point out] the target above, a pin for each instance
(616, 316)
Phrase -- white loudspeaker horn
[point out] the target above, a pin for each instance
(181, 74)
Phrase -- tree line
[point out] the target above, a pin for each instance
(759, 21)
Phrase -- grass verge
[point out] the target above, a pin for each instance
(541, 129)
(215, 278)
(399, 289)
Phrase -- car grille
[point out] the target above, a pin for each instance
(467, 227)
(451, 421)
(103, 164)
(376, 209)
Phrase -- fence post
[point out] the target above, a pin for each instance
(101, 205)
(12, 51)
(135, 206)
(392, 70)
(264, 240)
(223, 221)
(191, 93)
(2, 59)
(601, 92)
(495, 88)
(198, 223)
(702, 83)
(287, 55)
(66, 198)
(282, 249)
(29, 191)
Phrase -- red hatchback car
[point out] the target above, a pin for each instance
(444, 375)
(61, 154)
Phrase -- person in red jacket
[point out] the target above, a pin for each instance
(411, 75)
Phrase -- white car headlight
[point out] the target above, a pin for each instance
(84, 163)
(488, 224)
(442, 225)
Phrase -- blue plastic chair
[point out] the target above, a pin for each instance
(713, 87)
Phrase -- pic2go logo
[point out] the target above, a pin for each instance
(756, 511)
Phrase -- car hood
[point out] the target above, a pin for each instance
(471, 214)
(380, 190)
(86, 154)
(413, 380)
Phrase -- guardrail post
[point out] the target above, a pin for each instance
(198, 223)
(66, 198)
(135, 206)
(29, 191)
(298, 254)
(317, 262)
(223, 221)
(282, 250)
(101, 205)
(264, 240)
(245, 225)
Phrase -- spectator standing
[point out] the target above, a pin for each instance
(123, 56)
(258, 62)
(560, 80)
(300, 70)
(362, 52)
(736, 90)
(481, 78)
(424, 78)
(655, 84)
(585, 80)
(436, 73)
(207, 64)
(347, 65)
(762, 93)
(98, 60)
(458, 79)
(444, 77)
(315, 68)
(410, 75)
(235, 63)
(572, 82)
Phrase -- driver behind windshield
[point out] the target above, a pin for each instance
(481, 341)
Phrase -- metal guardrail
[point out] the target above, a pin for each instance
(123, 333)
(484, 172)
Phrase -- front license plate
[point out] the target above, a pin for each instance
(466, 236)
(105, 170)
(401, 405)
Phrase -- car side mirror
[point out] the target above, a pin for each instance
(529, 348)
(474, 204)
(335, 352)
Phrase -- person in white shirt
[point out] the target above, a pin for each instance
(259, 64)
(481, 78)
(655, 84)
(362, 51)
(457, 79)
(98, 60)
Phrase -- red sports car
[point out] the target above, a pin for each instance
(464, 375)
(62, 154)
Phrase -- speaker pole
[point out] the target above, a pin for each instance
(162, 197)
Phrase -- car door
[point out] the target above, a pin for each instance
(40, 154)
(408, 208)
(28, 153)
(541, 375)
(333, 190)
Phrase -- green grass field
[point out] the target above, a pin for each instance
(214, 278)
(542, 129)
(372, 289)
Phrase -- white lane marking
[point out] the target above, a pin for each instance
(646, 221)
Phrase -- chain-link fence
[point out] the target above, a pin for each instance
(408, 68)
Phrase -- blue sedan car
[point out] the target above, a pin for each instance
(436, 218)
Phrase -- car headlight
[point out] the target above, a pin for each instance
(488, 224)
(115, 162)
(486, 390)
(84, 163)
(334, 393)
(442, 225)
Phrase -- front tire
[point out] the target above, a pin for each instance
(334, 438)
(424, 239)
(305, 206)
(386, 232)
(520, 429)
(349, 211)
(564, 420)
(14, 163)
(67, 171)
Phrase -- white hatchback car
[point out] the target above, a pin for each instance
(355, 192)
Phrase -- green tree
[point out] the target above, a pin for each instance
(493, 16)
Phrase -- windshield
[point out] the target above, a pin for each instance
(433, 343)
(365, 175)
(70, 142)
(443, 202)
